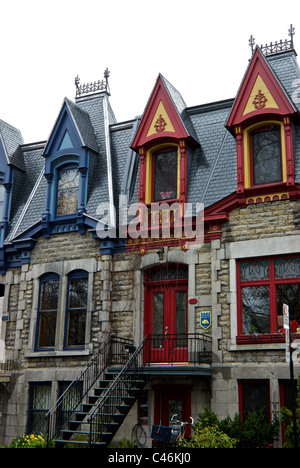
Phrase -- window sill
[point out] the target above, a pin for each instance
(57, 353)
(257, 338)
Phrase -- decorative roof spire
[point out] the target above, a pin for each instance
(276, 47)
(100, 85)
(252, 43)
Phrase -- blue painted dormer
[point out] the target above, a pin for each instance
(68, 154)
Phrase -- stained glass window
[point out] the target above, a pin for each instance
(266, 156)
(287, 268)
(253, 271)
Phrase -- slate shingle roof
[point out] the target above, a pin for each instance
(114, 166)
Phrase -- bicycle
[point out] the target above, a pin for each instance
(178, 430)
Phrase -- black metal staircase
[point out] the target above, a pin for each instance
(95, 404)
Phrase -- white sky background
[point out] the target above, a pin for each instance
(201, 47)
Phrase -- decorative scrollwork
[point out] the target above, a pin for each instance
(100, 85)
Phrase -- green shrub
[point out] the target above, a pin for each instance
(287, 419)
(253, 432)
(209, 437)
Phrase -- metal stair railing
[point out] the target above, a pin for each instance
(112, 405)
(113, 350)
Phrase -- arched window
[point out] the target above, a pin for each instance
(47, 311)
(77, 299)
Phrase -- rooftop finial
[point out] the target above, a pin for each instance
(291, 34)
(276, 47)
(100, 85)
(252, 43)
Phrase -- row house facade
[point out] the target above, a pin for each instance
(158, 251)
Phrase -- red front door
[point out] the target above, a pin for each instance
(166, 321)
(172, 403)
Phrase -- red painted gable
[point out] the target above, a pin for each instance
(159, 125)
(259, 67)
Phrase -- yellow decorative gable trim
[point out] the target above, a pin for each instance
(160, 122)
(260, 97)
(267, 198)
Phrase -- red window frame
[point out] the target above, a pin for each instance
(241, 387)
(272, 282)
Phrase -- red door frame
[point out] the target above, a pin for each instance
(168, 345)
(162, 396)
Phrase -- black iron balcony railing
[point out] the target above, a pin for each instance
(189, 349)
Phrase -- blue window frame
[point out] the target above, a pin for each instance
(76, 311)
(47, 311)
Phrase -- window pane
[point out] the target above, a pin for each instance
(78, 295)
(68, 179)
(256, 397)
(287, 268)
(289, 294)
(266, 153)
(158, 318)
(165, 176)
(254, 271)
(168, 272)
(49, 295)
(41, 398)
(181, 325)
(76, 327)
(78, 292)
(47, 327)
(67, 191)
(256, 310)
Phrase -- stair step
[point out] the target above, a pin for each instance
(62, 442)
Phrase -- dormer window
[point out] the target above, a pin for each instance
(165, 170)
(67, 190)
(266, 155)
